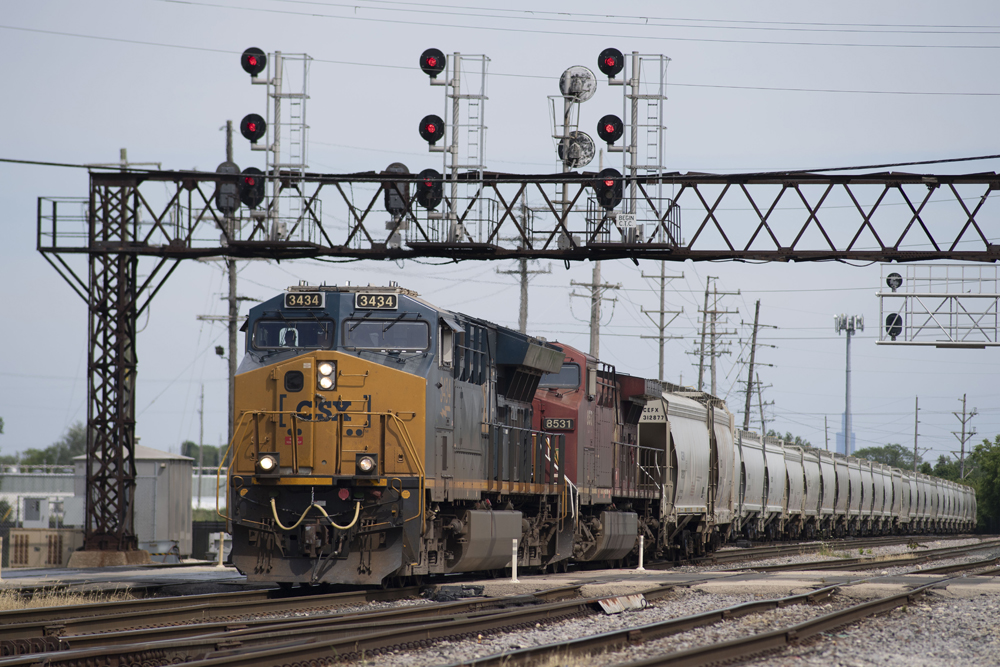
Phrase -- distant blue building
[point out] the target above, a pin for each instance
(840, 437)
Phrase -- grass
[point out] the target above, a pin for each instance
(11, 598)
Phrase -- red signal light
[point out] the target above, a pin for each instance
(431, 128)
(609, 183)
(253, 61)
(610, 128)
(610, 62)
(249, 180)
(432, 62)
(253, 127)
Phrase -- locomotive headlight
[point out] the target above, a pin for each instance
(366, 464)
(326, 375)
(268, 464)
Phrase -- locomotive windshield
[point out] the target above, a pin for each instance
(279, 334)
(386, 335)
(568, 377)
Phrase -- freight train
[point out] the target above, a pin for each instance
(380, 439)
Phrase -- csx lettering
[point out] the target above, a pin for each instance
(324, 409)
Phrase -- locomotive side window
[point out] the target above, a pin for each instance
(568, 377)
(386, 335)
(281, 334)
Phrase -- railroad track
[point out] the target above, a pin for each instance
(873, 563)
(356, 636)
(739, 649)
(352, 634)
(795, 549)
(38, 630)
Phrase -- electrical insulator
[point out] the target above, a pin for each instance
(254, 61)
(430, 188)
(432, 62)
(608, 188)
(431, 128)
(610, 128)
(252, 187)
(610, 62)
(253, 127)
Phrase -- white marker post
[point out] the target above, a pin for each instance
(222, 544)
(513, 564)
(642, 540)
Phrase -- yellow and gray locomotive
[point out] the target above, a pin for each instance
(372, 430)
(379, 438)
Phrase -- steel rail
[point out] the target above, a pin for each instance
(53, 614)
(872, 563)
(643, 633)
(185, 642)
(319, 646)
(746, 647)
(186, 613)
(713, 653)
(341, 620)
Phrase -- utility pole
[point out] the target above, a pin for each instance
(761, 404)
(663, 277)
(826, 433)
(709, 319)
(234, 308)
(850, 325)
(201, 441)
(597, 289)
(965, 419)
(753, 354)
(704, 324)
(523, 272)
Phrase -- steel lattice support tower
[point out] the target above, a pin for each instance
(111, 369)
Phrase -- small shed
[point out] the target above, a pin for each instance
(162, 499)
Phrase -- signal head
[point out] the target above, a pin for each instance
(610, 128)
(894, 325)
(431, 128)
(432, 62)
(254, 61)
(610, 62)
(430, 188)
(253, 127)
(608, 188)
(252, 187)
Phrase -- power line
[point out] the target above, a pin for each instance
(654, 21)
(509, 74)
(562, 33)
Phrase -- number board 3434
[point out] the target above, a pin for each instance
(305, 300)
(376, 301)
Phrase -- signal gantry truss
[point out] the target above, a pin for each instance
(168, 216)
